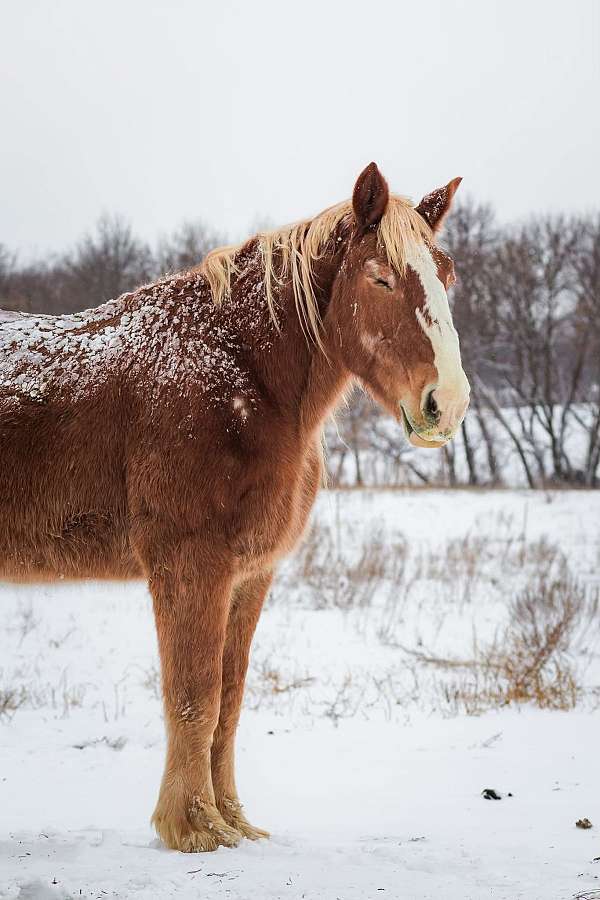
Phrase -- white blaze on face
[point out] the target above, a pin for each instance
(452, 390)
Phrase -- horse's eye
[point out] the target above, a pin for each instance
(383, 283)
(380, 275)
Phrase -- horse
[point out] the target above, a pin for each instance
(174, 434)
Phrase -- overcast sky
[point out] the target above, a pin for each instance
(229, 111)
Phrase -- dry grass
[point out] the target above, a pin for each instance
(275, 682)
(151, 681)
(344, 702)
(459, 558)
(12, 699)
(25, 621)
(328, 572)
(61, 696)
(537, 657)
(268, 684)
(331, 577)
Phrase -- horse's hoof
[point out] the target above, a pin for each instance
(233, 814)
(204, 839)
(251, 831)
(202, 830)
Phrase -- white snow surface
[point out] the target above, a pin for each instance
(369, 781)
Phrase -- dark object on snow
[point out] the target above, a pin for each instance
(490, 794)
(583, 823)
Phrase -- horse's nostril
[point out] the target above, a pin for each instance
(431, 407)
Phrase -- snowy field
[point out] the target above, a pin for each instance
(422, 646)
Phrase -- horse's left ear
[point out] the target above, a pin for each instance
(370, 197)
(434, 207)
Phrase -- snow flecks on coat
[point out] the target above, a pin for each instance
(164, 337)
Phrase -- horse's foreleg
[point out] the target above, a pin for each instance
(191, 591)
(247, 603)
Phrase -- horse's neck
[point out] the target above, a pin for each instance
(325, 386)
(305, 380)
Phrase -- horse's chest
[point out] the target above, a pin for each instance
(275, 514)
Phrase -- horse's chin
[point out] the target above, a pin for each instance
(417, 441)
(414, 438)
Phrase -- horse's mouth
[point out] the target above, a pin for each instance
(415, 438)
(408, 429)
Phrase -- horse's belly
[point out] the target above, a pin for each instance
(63, 500)
(72, 547)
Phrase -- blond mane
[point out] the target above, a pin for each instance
(300, 245)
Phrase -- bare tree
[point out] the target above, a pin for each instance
(586, 334)
(542, 355)
(472, 238)
(8, 262)
(187, 247)
(106, 263)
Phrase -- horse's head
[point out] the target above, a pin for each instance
(394, 326)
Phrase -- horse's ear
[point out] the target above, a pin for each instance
(434, 207)
(370, 197)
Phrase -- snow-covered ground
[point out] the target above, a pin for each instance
(373, 717)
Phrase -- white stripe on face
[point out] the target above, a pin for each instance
(452, 390)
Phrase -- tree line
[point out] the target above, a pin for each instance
(103, 264)
(527, 308)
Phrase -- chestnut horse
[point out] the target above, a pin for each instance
(174, 434)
